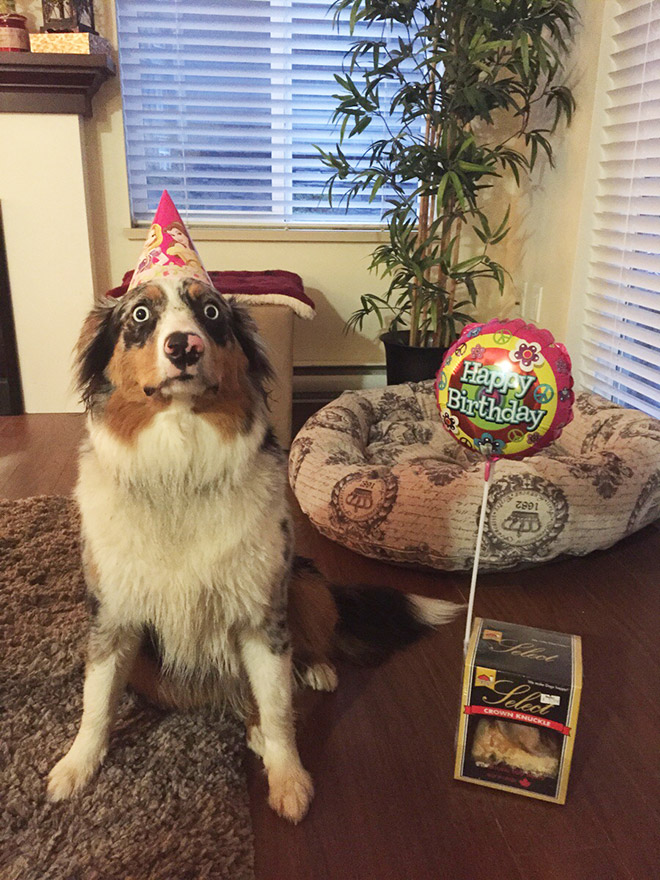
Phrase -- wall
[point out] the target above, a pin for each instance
(540, 250)
(42, 189)
(578, 302)
(546, 217)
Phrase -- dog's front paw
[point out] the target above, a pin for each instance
(290, 792)
(68, 776)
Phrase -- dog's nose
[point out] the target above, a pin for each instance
(183, 349)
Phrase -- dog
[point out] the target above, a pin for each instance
(188, 547)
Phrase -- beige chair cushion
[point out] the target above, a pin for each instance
(376, 472)
(275, 326)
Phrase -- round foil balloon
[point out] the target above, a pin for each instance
(505, 388)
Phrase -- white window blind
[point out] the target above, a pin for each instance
(621, 354)
(223, 102)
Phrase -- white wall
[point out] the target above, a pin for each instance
(48, 251)
(593, 152)
(543, 247)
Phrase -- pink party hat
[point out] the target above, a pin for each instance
(168, 251)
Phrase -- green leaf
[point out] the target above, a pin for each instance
(442, 186)
(496, 239)
(458, 189)
(468, 142)
(524, 52)
(354, 16)
(505, 220)
(360, 125)
(379, 181)
(470, 263)
(533, 152)
(471, 287)
(472, 166)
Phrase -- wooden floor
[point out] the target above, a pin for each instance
(381, 748)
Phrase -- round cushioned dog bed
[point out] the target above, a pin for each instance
(376, 471)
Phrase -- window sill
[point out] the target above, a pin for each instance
(329, 234)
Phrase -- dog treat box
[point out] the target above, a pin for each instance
(519, 709)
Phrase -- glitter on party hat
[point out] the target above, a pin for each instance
(168, 251)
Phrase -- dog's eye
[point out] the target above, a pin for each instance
(141, 314)
(211, 311)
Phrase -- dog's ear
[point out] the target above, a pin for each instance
(96, 344)
(246, 334)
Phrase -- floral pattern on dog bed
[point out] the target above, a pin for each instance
(377, 472)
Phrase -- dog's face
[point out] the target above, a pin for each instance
(165, 341)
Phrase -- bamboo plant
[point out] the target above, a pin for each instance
(459, 91)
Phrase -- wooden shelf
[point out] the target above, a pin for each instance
(45, 82)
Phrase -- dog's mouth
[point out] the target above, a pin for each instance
(169, 387)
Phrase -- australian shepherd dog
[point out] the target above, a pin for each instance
(196, 594)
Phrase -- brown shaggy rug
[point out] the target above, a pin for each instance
(170, 802)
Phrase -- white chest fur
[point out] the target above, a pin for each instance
(184, 531)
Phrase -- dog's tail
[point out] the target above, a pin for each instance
(374, 622)
(361, 624)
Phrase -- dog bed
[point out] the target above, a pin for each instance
(376, 471)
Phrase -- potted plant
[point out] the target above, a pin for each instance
(459, 90)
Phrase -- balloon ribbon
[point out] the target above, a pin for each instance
(488, 471)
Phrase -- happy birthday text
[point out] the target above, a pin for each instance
(487, 408)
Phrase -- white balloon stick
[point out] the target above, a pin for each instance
(490, 464)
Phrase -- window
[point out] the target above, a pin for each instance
(621, 350)
(223, 102)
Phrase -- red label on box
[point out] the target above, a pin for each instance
(518, 716)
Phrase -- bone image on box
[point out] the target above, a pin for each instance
(535, 752)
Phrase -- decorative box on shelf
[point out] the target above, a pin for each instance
(70, 44)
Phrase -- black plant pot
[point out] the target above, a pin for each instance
(406, 363)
